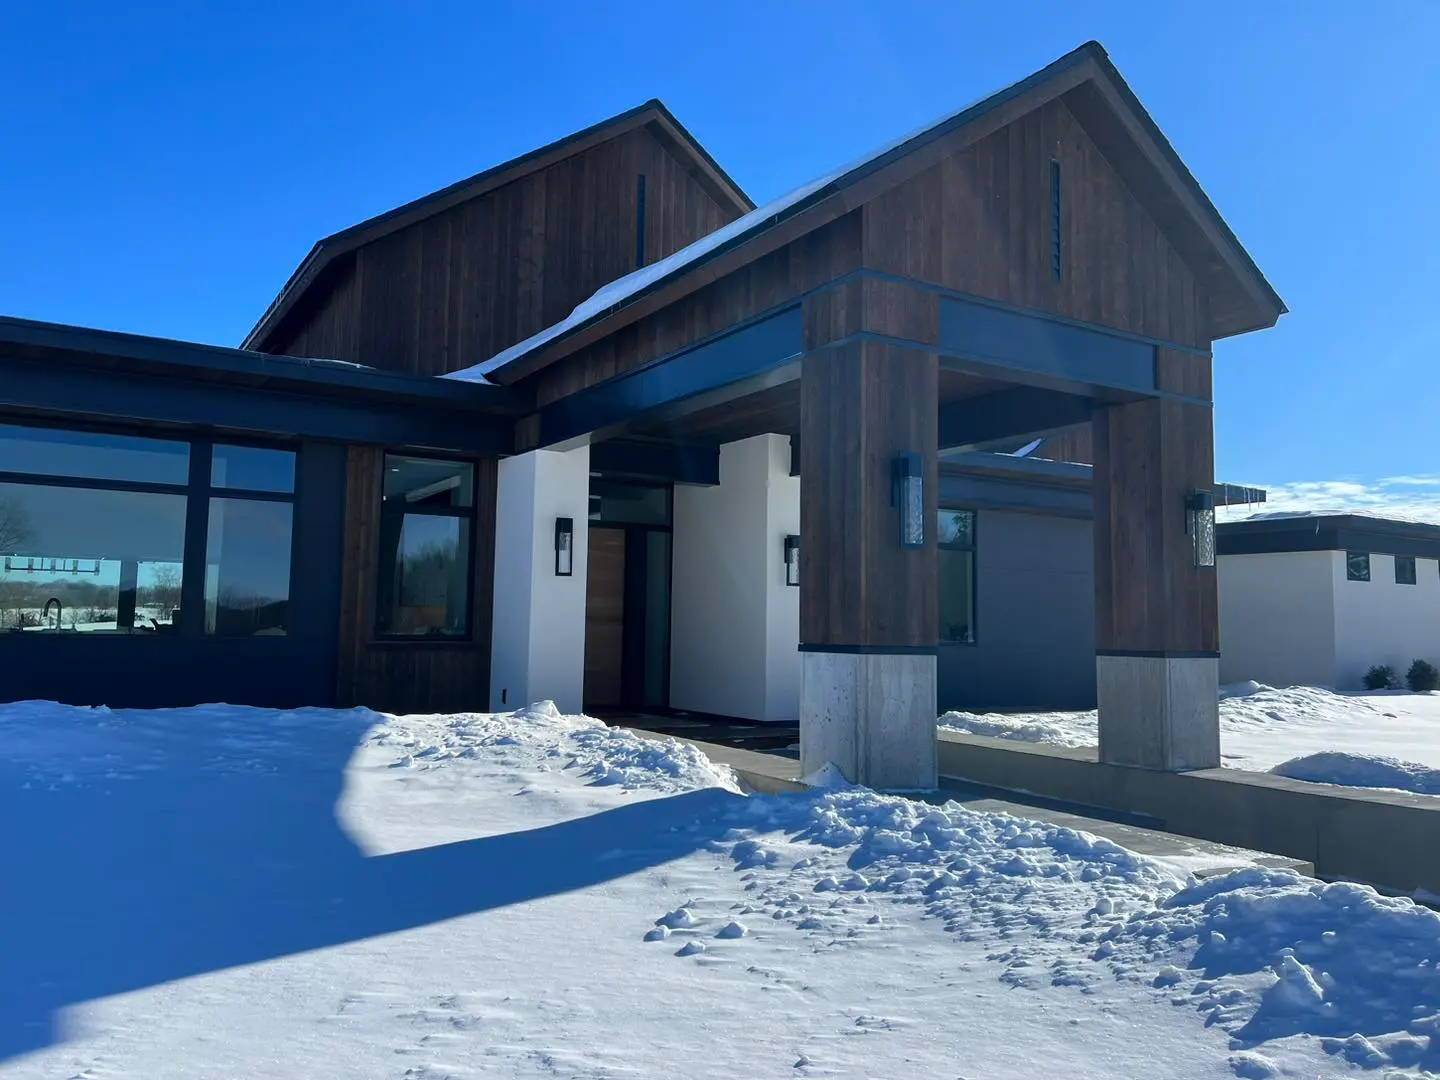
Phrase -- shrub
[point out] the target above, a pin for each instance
(1381, 677)
(1422, 676)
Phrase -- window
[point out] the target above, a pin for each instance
(1404, 569)
(93, 534)
(956, 539)
(1357, 565)
(426, 515)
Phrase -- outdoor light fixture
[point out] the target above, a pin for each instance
(907, 493)
(564, 547)
(792, 560)
(1200, 524)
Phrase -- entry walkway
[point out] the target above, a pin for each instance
(777, 772)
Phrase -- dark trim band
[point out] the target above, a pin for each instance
(872, 650)
(1160, 654)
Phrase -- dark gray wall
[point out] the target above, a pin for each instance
(145, 671)
(1035, 617)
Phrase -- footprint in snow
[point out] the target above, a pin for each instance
(691, 948)
(731, 930)
(682, 918)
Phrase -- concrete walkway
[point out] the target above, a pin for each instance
(774, 773)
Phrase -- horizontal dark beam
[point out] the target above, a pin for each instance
(721, 369)
(679, 463)
(1060, 355)
(70, 391)
(984, 493)
(1237, 495)
(1004, 414)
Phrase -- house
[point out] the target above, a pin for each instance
(589, 426)
(1318, 599)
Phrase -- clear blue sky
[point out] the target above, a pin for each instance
(166, 164)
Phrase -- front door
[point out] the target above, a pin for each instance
(627, 617)
(605, 619)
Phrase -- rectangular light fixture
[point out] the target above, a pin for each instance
(1200, 524)
(564, 546)
(792, 560)
(907, 494)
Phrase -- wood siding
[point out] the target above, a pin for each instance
(453, 289)
(979, 222)
(862, 403)
(1149, 595)
(409, 676)
(773, 279)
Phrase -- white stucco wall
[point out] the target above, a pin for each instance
(1380, 622)
(1277, 618)
(735, 625)
(538, 645)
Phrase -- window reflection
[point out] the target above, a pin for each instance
(247, 568)
(93, 456)
(89, 560)
(252, 468)
(424, 575)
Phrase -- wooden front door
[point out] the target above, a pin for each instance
(605, 618)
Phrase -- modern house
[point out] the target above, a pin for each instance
(589, 426)
(1317, 600)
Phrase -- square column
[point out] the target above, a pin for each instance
(1157, 635)
(735, 623)
(538, 641)
(868, 604)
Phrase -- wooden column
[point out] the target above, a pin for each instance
(1157, 631)
(867, 604)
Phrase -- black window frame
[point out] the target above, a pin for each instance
(972, 546)
(399, 510)
(1406, 560)
(197, 492)
(1351, 564)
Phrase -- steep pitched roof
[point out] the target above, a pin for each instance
(653, 112)
(1106, 105)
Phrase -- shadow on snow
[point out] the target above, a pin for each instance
(187, 869)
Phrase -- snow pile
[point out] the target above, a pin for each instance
(1362, 770)
(541, 735)
(1053, 728)
(1277, 955)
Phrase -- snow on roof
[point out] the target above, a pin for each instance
(617, 292)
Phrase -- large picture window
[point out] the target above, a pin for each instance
(426, 518)
(93, 534)
(956, 556)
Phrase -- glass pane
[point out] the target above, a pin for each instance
(1357, 565)
(657, 616)
(76, 559)
(247, 568)
(618, 503)
(85, 454)
(427, 482)
(424, 575)
(957, 595)
(957, 527)
(1404, 570)
(253, 468)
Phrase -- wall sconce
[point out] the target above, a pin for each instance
(564, 547)
(1200, 524)
(907, 493)
(792, 560)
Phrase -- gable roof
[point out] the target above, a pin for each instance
(666, 128)
(1132, 141)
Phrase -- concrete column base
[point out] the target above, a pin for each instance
(871, 715)
(1159, 712)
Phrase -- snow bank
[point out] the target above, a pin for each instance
(1362, 770)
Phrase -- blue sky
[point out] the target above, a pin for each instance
(168, 164)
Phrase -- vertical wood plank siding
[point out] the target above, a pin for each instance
(861, 404)
(409, 676)
(454, 289)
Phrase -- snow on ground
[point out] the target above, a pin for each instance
(1386, 739)
(223, 892)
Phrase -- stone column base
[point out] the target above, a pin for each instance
(871, 715)
(1159, 712)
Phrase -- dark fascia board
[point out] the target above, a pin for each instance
(1335, 532)
(1089, 61)
(639, 459)
(82, 346)
(1026, 469)
(327, 250)
(963, 490)
(1023, 410)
